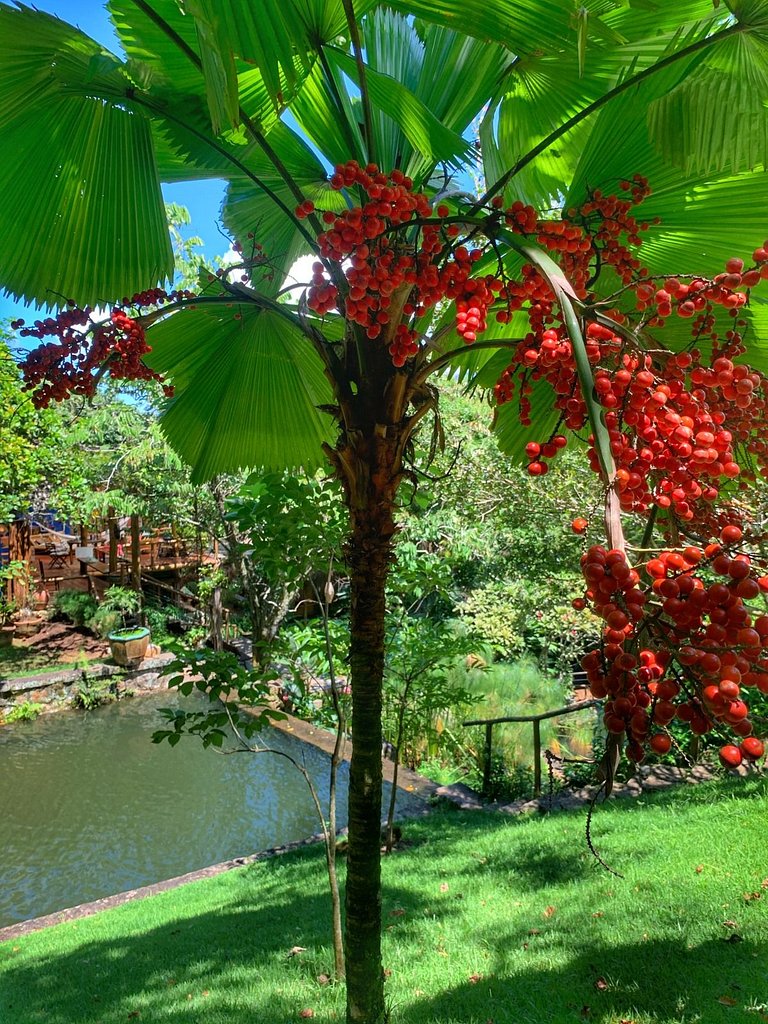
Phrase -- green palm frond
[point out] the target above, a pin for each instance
(716, 119)
(248, 209)
(325, 113)
(425, 134)
(249, 386)
(91, 188)
(157, 58)
(522, 26)
(512, 436)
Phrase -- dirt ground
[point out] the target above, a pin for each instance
(59, 643)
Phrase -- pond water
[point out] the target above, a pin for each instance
(89, 806)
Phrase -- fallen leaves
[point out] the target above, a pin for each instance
(474, 978)
(549, 912)
(444, 887)
(727, 1001)
(601, 984)
(306, 1013)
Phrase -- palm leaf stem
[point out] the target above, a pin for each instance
(354, 36)
(257, 136)
(223, 151)
(448, 357)
(601, 101)
(236, 293)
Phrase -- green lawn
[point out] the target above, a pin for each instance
(487, 919)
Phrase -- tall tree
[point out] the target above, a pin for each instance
(571, 101)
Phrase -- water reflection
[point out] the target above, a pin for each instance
(90, 807)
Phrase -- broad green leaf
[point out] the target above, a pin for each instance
(705, 217)
(153, 46)
(91, 189)
(716, 118)
(539, 94)
(248, 390)
(218, 67)
(425, 133)
(522, 26)
(280, 37)
(272, 41)
(324, 112)
(458, 74)
(512, 436)
(248, 209)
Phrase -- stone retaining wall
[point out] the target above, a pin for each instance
(55, 690)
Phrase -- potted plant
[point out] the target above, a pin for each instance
(10, 573)
(117, 619)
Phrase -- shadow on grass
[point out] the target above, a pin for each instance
(138, 963)
(659, 982)
(232, 963)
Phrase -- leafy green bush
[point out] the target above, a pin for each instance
(75, 605)
(530, 617)
(105, 621)
(92, 693)
(27, 711)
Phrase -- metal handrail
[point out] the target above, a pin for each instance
(536, 721)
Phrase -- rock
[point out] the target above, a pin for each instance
(464, 797)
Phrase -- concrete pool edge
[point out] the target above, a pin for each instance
(408, 781)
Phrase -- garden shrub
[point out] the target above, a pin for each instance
(75, 606)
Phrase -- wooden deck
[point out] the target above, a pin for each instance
(93, 573)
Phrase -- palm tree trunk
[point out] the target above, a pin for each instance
(369, 556)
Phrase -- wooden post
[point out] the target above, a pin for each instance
(487, 762)
(216, 619)
(20, 546)
(537, 757)
(135, 553)
(113, 530)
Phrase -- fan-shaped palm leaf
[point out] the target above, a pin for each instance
(249, 386)
(91, 188)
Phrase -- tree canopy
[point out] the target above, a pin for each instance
(605, 282)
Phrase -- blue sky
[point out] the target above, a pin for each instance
(202, 199)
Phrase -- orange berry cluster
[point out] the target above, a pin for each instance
(702, 645)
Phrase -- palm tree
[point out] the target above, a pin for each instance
(269, 97)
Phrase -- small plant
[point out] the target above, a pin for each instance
(92, 693)
(117, 606)
(27, 711)
(75, 606)
(13, 572)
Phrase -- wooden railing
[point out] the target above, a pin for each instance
(536, 721)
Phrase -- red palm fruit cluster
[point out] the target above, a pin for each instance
(71, 364)
(679, 642)
(393, 281)
(674, 421)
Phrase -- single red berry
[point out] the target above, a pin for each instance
(730, 756)
(752, 748)
(661, 743)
